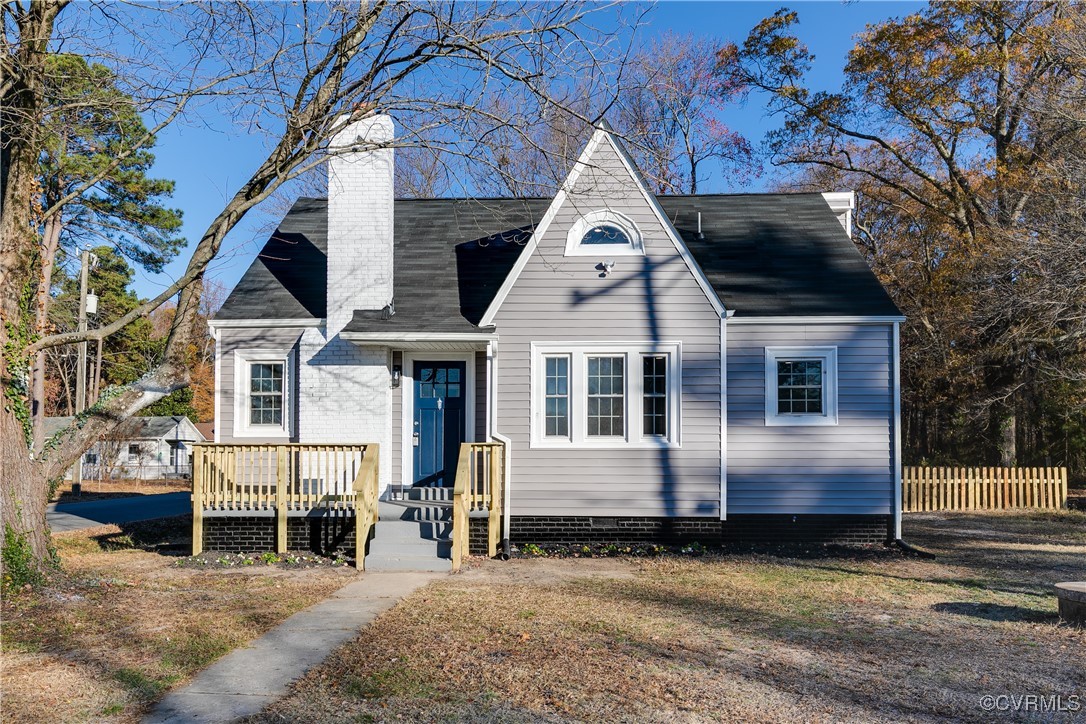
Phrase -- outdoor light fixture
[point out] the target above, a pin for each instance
(397, 373)
(605, 267)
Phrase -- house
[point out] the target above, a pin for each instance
(710, 366)
(144, 448)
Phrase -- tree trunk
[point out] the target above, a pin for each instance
(1008, 453)
(23, 496)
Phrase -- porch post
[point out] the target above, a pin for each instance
(197, 501)
(281, 499)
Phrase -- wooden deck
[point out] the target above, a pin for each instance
(284, 481)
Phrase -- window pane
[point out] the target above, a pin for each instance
(654, 402)
(606, 396)
(266, 393)
(556, 397)
(605, 234)
(799, 387)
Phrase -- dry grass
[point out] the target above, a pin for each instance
(123, 624)
(876, 636)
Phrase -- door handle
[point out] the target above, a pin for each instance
(415, 439)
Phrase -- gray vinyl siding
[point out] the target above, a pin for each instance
(278, 340)
(648, 298)
(845, 468)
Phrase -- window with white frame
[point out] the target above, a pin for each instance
(604, 233)
(262, 404)
(266, 393)
(801, 385)
(654, 407)
(607, 395)
(556, 396)
(133, 453)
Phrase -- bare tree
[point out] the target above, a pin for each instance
(672, 109)
(948, 123)
(297, 73)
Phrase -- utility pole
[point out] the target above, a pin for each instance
(86, 259)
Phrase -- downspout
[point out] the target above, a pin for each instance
(507, 444)
(896, 533)
(724, 412)
(897, 431)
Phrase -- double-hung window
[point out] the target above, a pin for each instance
(607, 395)
(654, 391)
(266, 393)
(263, 384)
(801, 385)
(556, 396)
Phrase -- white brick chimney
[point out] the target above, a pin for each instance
(360, 214)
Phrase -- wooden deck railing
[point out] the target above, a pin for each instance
(480, 482)
(282, 480)
(926, 488)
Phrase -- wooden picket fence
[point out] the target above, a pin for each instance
(926, 488)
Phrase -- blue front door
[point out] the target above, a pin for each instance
(438, 427)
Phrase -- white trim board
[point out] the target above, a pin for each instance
(816, 320)
(896, 392)
(269, 323)
(394, 337)
(601, 135)
(407, 402)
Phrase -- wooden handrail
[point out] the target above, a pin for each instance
(479, 486)
(367, 489)
(461, 492)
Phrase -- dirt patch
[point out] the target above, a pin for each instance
(122, 624)
(756, 636)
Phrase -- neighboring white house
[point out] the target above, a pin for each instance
(145, 448)
(719, 365)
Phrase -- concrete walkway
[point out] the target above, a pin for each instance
(246, 680)
(76, 516)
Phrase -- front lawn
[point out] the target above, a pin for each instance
(124, 623)
(870, 636)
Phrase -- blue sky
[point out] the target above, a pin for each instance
(210, 161)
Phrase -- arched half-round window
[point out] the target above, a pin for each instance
(604, 235)
(603, 232)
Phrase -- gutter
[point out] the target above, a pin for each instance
(507, 444)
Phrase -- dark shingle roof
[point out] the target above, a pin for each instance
(764, 255)
(451, 255)
(287, 278)
(778, 255)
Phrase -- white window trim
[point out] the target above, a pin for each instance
(243, 359)
(579, 352)
(580, 227)
(828, 355)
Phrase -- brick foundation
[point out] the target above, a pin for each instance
(237, 534)
(837, 529)
(331, 535)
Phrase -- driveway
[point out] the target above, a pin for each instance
(75, 516)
